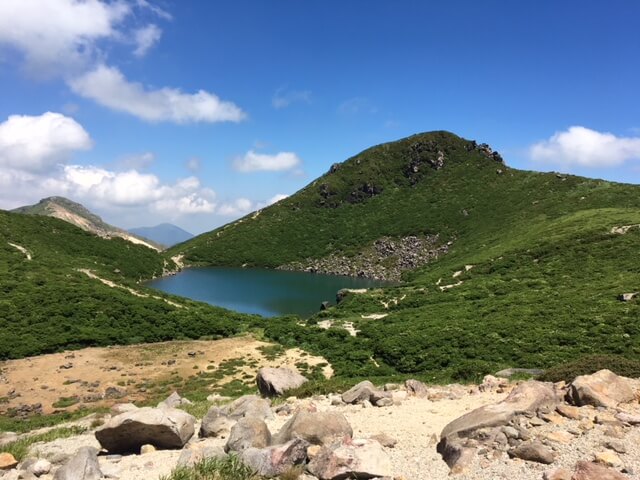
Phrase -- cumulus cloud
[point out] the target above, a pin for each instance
(587, 148)
(36, 143)
(145, 38)
(240, 206)
(137, 161)
(282, 98)
(58, 34)
(108, 87)
(253, 162)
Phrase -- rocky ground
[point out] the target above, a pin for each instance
(104, 376)
(589, 430)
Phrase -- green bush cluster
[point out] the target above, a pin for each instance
(589, 364)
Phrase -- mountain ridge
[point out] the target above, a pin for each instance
(165, 234)
(80, 216)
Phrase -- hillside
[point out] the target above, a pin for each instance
(528, 272)
(164, 234)
(65, 288)
(80, 216)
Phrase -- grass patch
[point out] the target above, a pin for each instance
(64, 402)
(590, 364)
(228, 468)
(20, 448)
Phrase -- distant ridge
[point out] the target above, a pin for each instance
(165, 234)
(78, 215)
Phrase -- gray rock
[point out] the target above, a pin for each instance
(273, 461)
(509, 372)
(249, 406)
(82, 466)
(318, 428)
(216, 424)
(273, 382)
(36, 466)
(351, 459)
(416, 387)
(359, 393)
(533, 452)
(160, 427)
(601, 389)
(195, 454)
(247, 433)
(173, 401)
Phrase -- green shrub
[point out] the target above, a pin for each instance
(590, 364)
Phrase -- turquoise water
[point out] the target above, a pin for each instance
(264, 292)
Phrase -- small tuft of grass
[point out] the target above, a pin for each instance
(228, 468)
(64, 402)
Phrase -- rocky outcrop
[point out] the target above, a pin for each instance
(367, 392)
(318, 428)
(82, 466)
(160, 427)
(351, 459)
(602, 389)
(273, 382)
(385, 259)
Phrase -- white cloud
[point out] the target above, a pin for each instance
(57, 34)
(137, 161)
(155, 9)
(107, 86)
(36, 143)
(253, 162)
(283, 97)
(145, 38)
(587, 148)
(276, 198)
(240, 206)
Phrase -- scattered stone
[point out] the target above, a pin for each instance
(36, 466)
(173, 401)
(249, 406)
(558, 474)
(273, 461)
(616, 446)
(568, 411)
(317, 428)
(593, 471)
(416, 388)
(351, 459)
(509, 372)
(195, 454)
(628, 418)
(608, 458)
(82, 466)
(601, 389)
(367, 392)
(491, 383)
(7, 461)
(273, 382)
(162, 427)
(248, 432)
(147, 448)
(385, 440)
(216, 424)
(533, 452)
(559, 436)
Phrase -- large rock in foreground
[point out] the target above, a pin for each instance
(162, 428)
(602, 389)
(351, 459)
(273, 382)
(318, 428)
(82, 466)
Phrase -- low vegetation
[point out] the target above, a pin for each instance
(20, 448)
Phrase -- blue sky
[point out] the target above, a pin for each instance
(197, 112)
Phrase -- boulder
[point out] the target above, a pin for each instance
(173, 401)
(273, 382)
(351, 459)
(273, 461)
(601, 389)
(359, 393)
(249, 406)
(509, 372)
(36, 466)
(593, 471)
(246, 433)
(416, 388)
(317, 428)
(216, 424)
(82, 466)
(161, 427)
(119, 408)
(533, 452)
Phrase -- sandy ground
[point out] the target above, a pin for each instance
(92, 371)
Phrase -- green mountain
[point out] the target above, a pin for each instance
(80, 216)
(514, 268)
(62, 287)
